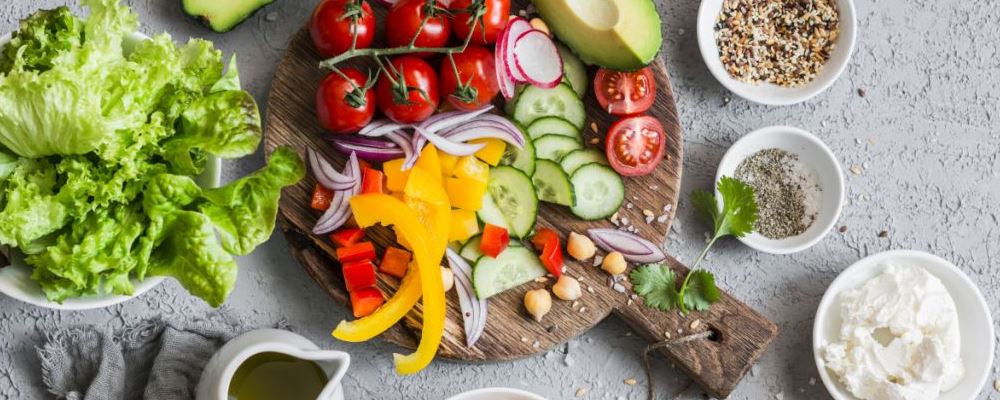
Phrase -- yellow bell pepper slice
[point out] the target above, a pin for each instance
(448, 162)
(492, 152)
(426, 186)
(395, 177)
(471, 168)
(463, 225)
(465, 193)
(430, 161)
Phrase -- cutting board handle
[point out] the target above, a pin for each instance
(739, 335)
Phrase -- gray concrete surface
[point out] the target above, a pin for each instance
(924, 136)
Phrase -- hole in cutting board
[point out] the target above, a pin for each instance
(714, 334)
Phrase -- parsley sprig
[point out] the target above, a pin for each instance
(656, 283)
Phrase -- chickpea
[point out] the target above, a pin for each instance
(580, 247)
(448, 278)
(567, 288)
(538, 302)
(614, 263)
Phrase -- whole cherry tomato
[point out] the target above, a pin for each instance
(625, 93)
(335, 22)
(476, 84)
(406, 20)
(342, 105)
(635, 145)
(408, 90)
(495, 15)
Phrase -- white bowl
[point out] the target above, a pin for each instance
(813, 153)
(497, 394)
(766, 93)
(974, 319)
(15, 280)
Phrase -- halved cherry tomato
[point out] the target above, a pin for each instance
(321, 198)
(635, 145)
(494, 240)
(356, 252)
(335, 22)
(408, 90)
(406, 19)
(347, 236)
(366, 301)
(395, 262)
(345, 106)
(494, 20)
(552, 258)
(371, 180)
(359, 275)
(476, 84)
(625, 93)
(543, 237)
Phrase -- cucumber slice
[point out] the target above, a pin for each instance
(560, 101)
(470, 251)
(513, 267)
(578, 158)
(599, 191)
(574, 72)
(554, 147)
(522, 159)
(552, 184)
(552, 126)
(511, 203)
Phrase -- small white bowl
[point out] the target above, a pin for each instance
(497, 394)
(766, 93)
(974, 319)
(813, 153)
(16, 282)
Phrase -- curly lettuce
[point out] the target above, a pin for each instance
(101, 142)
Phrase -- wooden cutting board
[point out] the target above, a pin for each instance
(740, 334)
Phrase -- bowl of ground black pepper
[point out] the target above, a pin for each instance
(798, 185)
(776, 52)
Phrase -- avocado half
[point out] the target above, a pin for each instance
(622, 35)
(222, 15)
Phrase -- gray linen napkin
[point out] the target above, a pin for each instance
(154, 359)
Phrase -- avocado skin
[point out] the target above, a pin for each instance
(219, 16)
(620, 57)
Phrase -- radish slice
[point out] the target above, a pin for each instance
(515, 28)
(537, 59)
(506, 84)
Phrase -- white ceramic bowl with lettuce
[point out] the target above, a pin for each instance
(15, 279)
(109, 180)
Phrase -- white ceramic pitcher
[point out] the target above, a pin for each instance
(214, 383)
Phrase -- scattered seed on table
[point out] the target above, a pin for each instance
(883, 234)
(843, 228)
(856, 169)
(695, 324)
(861, 92)
(630, 381)
(581, 392)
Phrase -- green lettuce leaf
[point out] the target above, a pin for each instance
(229, 81)
(224, 124)
(40, 38)
(30, 208)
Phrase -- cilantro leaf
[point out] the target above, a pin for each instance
(699, 290)
(739, 208)
(656, 284)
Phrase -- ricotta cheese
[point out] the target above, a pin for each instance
(899, 339)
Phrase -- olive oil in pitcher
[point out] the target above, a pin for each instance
(276, 376)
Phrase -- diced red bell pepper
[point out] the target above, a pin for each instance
(359, 275)
(552, 258)
(371, 181)
(347, 236)
(543, 237)
(356, 252)
(366, 301)
(494, 240)
(321, 198)
(395, 262)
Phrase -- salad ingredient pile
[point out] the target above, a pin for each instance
(101, 140)
(900, 337)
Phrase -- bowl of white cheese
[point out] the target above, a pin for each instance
(903, 324)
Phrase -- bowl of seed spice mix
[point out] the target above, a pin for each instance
(797, 182)
(776, 52)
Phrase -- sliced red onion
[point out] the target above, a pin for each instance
(327, 176)
(445, 120)
(487, 129)
(368, 149)
(340, 210)
(633, 247)
(380, 127)
(474, 310)
(448, 146)
(537, 59)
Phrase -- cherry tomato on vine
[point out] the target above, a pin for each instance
(635, 145)
(476, 85)
(335, 22)
(625, 93)
(407, 91)
(404, 22)
(345, 106)
(494, 20)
